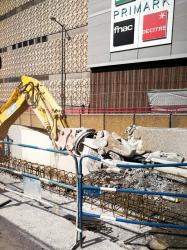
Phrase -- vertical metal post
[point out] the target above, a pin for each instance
(62, 74)
(170, 120)
(80, 203)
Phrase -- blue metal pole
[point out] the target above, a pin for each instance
(135, 191)
(80, 196)
(152, 165)
(50, 182)
(143, 223)
(36, 147)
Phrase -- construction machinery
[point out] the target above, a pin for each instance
(31, 93)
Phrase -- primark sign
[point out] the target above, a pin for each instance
(140, 23)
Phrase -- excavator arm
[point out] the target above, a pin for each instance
(30, 93)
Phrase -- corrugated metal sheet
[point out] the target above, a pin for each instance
(127, 86)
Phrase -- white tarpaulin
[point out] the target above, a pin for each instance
(176, 98)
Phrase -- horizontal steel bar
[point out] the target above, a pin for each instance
(36, 147)
(50, 182)
(152, 165)
(134, 165)
(143, 223)
(121, 190)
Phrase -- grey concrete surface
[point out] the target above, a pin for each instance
(41, 228)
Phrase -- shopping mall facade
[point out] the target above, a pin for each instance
(118, 53)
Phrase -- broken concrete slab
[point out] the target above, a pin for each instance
(165, 139)
(164, 158)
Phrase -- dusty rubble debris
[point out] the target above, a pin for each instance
(113, 147)
(165, 158)
(110, 144)
(134, 179)
(116, 150)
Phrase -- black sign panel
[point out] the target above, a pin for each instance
(124, 32)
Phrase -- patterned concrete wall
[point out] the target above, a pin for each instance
(35, 21)
(8, 5)
(6, 90)
(45, 58)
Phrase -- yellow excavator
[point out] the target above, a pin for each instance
(31, 93)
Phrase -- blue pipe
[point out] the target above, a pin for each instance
(138, 191)
(152, 165)
(39, 178)
(143, 223)
(36, 147)
(151, 224)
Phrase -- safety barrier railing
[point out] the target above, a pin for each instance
(95, 191)
(42, 180)
(175, 109)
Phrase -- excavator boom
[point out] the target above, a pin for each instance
(30, 93)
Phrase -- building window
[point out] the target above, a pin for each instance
(44, 39)
(38, 40)
(20, 45)
(4, 49)
(31, 42)
(14, 46)
(25, 43)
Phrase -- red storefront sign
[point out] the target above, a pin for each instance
(155, 26)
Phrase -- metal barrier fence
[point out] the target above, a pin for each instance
(42, 180)
(94, 191)
(175, 109)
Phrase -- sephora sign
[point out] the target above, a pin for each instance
(140, 23)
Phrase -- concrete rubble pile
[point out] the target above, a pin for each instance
(111, 146)
(134, 179)
(114, 150)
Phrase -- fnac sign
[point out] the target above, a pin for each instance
(140, 23)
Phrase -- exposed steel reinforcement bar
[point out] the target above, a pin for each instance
(95, 191)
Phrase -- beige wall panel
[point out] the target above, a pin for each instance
(73, 121)
(113, 123)
(118, 123)
(77, 92)
(179, 121)
(161, 121)
(76, 51)
(46, 58)
(92, 121)
(25, 119)
(35, 122)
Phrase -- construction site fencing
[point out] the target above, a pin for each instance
(48, 181)
(83, 191)
(40, 179)
(156, 109)
(95, 191)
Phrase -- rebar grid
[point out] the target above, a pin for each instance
(141, 207)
